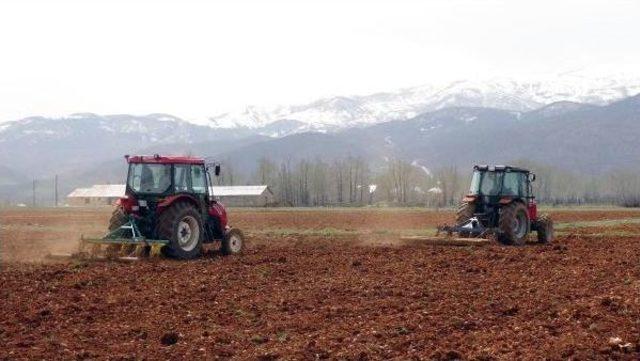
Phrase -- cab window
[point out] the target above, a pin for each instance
(149, 178)
(490, 184)
(198, 179)
(181, 178)
(514, 184)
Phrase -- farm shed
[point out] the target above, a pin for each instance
(244, 196)
(238, 196)
(96, 195)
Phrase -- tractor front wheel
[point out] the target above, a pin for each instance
(181, 225)
(233, 242)
(544, 228)
(513, 224)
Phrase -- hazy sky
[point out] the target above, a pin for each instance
(198, 58)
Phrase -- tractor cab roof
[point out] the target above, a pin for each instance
(158, 159)
(499, 168)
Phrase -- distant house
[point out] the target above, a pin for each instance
(244, 196)
(235, 196)
(97, 195)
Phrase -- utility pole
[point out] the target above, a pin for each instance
(33, 193)
(55, 194)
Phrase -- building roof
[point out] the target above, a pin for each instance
(162, 159)
(99, 191)
(118, 190)
(499, 168)
(226, 191)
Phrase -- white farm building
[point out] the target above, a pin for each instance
(97, 195)
(244, 196)
(237, 196)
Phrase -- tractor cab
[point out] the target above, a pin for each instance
(501, 184)
(155, 182)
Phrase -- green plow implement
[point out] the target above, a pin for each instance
(125, 243)
(127, 234)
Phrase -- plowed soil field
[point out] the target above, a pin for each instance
(326, 284)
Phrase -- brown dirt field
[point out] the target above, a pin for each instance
(589, 215)
(393, 219)
(623, 228)
(29, 235)
(310, 297)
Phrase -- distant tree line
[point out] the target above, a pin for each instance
(352, 181)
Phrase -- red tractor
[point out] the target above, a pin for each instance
(168, 204)
(501, 202)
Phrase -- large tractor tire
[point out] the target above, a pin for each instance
(544, 229)
(118, 218)
(513, 225)
(465, 212)
(233, 242)
(181, 225)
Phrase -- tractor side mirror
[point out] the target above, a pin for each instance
(532, 177)
(216, 170)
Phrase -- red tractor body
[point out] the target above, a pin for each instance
(501, 201)
(169, 199)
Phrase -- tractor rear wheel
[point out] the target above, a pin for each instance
(464, 212)
(544, 228)
(181, 225)
(118, 218)
(513, 224)
(233, 242)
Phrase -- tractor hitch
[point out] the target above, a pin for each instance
(469, 228)
(470, 233)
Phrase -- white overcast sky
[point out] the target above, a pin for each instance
(198, 58)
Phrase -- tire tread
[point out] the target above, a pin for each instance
(507, 216)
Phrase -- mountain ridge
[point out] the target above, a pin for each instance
(340, 112)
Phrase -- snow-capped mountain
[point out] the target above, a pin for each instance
(40, 145)
(587, 139)
(149, 128)
(354, 111)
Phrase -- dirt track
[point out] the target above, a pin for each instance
(307, 297)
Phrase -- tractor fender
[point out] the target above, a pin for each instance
(532, 209)
(167, 202)
(217, 211)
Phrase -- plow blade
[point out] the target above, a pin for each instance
(126, 241)
(136, 248)
(444, 241)
(59, 256)
(87, 257)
